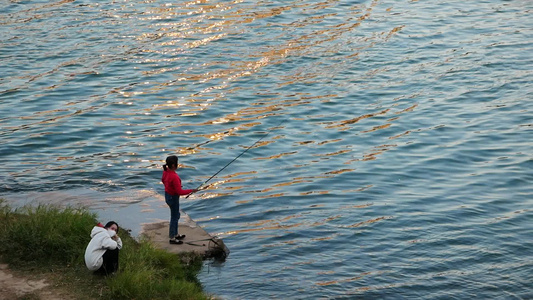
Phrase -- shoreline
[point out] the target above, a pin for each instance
(16, 284)
(41, 257)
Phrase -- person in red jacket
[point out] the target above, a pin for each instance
(173, 190)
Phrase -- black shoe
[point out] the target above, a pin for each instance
(176, 242)
(179, 237)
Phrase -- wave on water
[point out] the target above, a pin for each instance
(398, 157)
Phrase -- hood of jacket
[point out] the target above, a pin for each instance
(96, 230)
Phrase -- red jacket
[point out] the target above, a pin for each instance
(172, 183)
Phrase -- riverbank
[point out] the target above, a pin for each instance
(27, 285)
(44, 247)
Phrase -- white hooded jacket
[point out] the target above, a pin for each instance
(100, 242)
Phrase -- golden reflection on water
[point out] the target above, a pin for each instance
(207, 23)
(232, 15)
(283, 184)
(368, 156)
(203, 24)
(277, 155)
(400, 135)
(343, 125)
(333, 153)
(340, 171)
(359, 224)
(375, 128)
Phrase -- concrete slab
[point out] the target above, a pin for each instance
(196, 239)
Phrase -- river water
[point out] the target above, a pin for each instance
(396, 152)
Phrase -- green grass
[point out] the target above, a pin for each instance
(51, 240)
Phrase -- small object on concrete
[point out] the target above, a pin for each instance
(196, 239)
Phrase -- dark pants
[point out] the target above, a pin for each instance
(110, 264)
(173, 201)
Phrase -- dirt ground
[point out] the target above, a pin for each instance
(17, 287)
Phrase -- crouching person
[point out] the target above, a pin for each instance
(101, 255)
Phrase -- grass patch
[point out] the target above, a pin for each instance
(51, 240)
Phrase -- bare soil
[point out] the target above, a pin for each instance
(18, 286)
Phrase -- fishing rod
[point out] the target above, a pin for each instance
(245, 150)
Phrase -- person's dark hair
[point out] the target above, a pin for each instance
(110, 223)
(171, 160)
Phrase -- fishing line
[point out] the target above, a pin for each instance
(245, 150)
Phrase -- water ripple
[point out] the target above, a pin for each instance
(401, 169)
